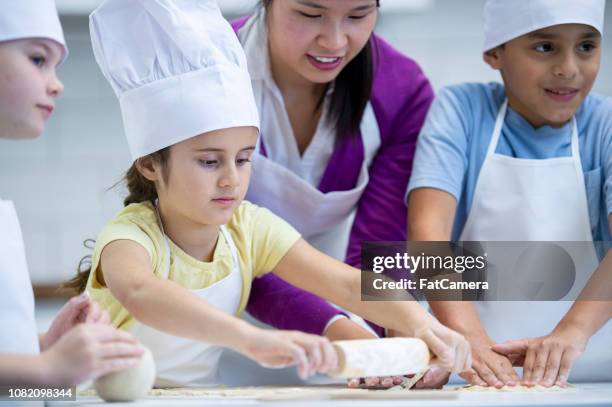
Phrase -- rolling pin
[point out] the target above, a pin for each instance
(380, 357)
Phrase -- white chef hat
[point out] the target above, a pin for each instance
(505, 20)
(177, 68)
(20, 19)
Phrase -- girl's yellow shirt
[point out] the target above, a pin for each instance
(261, 239)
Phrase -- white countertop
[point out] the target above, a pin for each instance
(585, 394)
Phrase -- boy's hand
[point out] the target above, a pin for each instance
(546, 360)
(81, 309)
(490, 368)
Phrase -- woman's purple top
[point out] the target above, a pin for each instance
(401, 96)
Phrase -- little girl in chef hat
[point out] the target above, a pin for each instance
(31, 46)
(175, 266)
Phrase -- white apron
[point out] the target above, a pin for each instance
(537, 200)
(18, 333)
(181, 361)
(323, 219)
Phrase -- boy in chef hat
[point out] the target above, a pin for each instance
(175, 266)
(529, 159)
(31, 46)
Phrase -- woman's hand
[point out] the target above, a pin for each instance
(278, 349)
(546, 360)
(88, 351)
(434, 378)
(384, 382)
(345, 328)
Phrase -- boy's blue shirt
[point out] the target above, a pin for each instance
(454, 139)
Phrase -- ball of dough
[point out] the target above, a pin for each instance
(130, 384)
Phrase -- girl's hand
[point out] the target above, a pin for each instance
(450, 349)
(278, 349)
(78, 310)
(546, 360)
(88, 351)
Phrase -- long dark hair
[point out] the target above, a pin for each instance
(352, 90)
(140, 189)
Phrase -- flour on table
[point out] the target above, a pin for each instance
(517, 389)
(304, 392)
(249, 392)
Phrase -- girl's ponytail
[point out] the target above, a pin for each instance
(140, 189)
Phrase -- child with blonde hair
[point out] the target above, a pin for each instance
(79, 343)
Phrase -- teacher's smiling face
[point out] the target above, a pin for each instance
(316, 39)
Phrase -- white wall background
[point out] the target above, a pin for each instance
(59, 182)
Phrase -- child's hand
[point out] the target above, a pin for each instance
(277, 349)
(88, 351)
(490, 368)
(451, 350)
(546, 360)
(78, 310)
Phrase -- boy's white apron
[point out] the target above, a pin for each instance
(537, 200)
